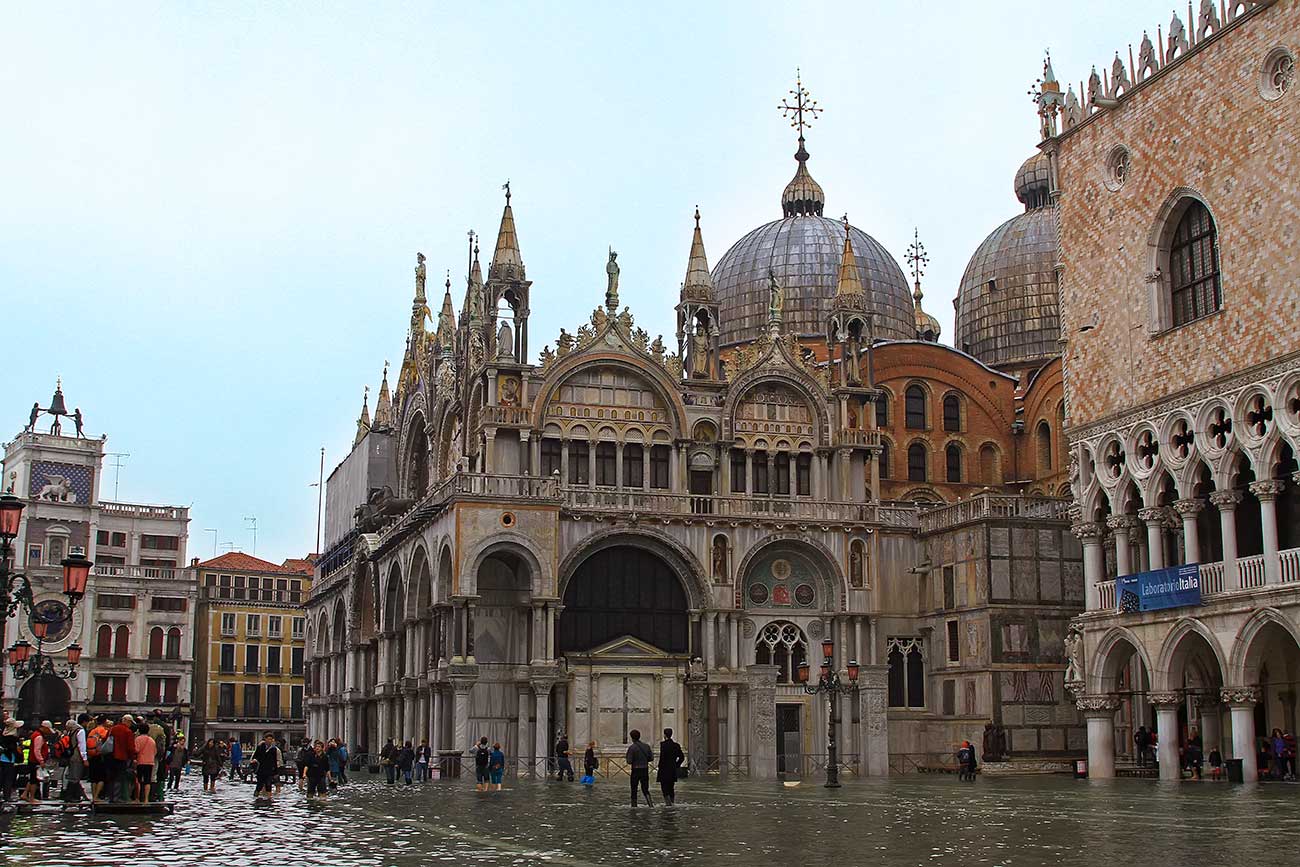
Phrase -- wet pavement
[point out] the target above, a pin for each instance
(917, 820)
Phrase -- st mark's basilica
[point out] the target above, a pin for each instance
(622, 531)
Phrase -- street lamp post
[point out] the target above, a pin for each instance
(16, 595)
(829, 682)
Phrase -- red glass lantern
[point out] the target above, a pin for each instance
(74, 655)
(11, 513)
(828, 648)
(853, 671)
(801, 673)
(76, 572)
(40, 628)
(19, 652)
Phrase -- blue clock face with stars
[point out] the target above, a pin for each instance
(57, 614)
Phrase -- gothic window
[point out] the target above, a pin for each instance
(156, 643)
(803, 475)
(737, 471)
(884, 460)
(579, 470)
(914, 408)
(882, 410)
(916, 463)
(659, 466)
(906, 672)
(550, 457)
(1194, 266)
(781, 468)
(104, 642)
(1044, 437)
(633, 466)
(951, 413)
(781, 644)
(606, 465)
(952, 456)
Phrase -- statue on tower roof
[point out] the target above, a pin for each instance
(611, 288)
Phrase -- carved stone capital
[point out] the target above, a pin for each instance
(1189, 507)
(1121, 522)
(1097, 705)
(1267, 489)
(1152, 516)
(1225, 500)
(1164, 699)
(1239, 695)
(1086, 530)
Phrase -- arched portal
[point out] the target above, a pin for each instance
(44, 697)
(1194, 671)
(1123, 673)
(625, 634)
(1270, 662)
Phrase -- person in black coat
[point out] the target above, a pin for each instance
(671, 758)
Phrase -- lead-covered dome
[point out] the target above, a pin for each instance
(804, 251)
(1007, 305)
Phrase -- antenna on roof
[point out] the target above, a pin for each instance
(119, 458)
(213, 531)
(252, 520)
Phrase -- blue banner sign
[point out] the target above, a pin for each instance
(1174, 587)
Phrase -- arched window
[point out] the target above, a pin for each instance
(953, 459)
(882, 410)
(906, 672)
(884, 460)
(174, 643)
(122, 646)
(1044, 437)
(781, 644)
(156, 643)
(914, 407)
(1194, 266)
(989, 465)
(917, 471)
(104, 642)
(951, 413)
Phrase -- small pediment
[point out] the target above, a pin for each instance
(626, 647)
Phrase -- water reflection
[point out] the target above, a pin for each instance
(903, 821)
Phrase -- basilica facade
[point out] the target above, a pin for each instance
(620, 532)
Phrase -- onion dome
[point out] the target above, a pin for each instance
(805, 252)
(927, 327)
(1007, 305)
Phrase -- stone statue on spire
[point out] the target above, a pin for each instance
(419, 276)
(611, 288)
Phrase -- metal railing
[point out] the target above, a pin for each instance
(809, 765)
(985, 506)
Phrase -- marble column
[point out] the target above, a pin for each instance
(524, 735)
(542, 694)
(1210, 711)
(713, 737)
(761, 689)
(435, 734)
(1166, 705)
(460, 716)
(1187, 511)
(710, 643)
(733, 725)
(1227, 501)
(1121, 524)
(1094, 569)
(1099, 711)
(1241, 705)
(733, 657)
(1155, 523)
(1267, 493)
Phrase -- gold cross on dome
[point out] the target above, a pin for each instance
(916, 256)
(803, 105)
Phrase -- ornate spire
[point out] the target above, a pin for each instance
(472, 309)
(803, 196)
(927, 327)
(363, 423)
(384, 404)
(698, 285)
(507, 261)
(850, 284)
(446, 319)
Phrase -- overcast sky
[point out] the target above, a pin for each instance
(209, 214)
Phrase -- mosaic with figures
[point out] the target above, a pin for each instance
(781, 580)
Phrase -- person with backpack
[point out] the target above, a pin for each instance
(146, 757)
(482, 754)
(496, 767)
(406, 761)
(97, 769)
(639, 757)
(9, 758)
(236, 759)
(966, 762)
(343, 762)
(267, 761)
(75, 738)
(335, 763)
(388, 758)
(121, 748)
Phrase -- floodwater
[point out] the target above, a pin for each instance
(915, 820)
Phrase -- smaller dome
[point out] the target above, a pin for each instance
(803, 196)
(1033, 181)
